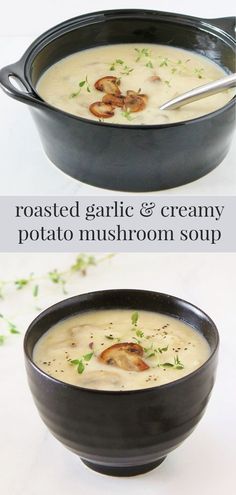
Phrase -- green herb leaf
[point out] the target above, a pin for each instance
(127, 114)
(80, 367)
(22, 282)
(55, 276)
(87, 357)
(163, 349)
(126, 70)
(164, 62)
(139, 333)
(178, 365)
(82, 262)
(2, 339)
(118, 61)
(166, 365)
(151, 355)
(82, 84)
(13, 329)
(149, 64)
(134, 318)
(75, 361)
(109, 337)
(35, 290)
(142, 53)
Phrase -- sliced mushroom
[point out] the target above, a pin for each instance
(102, 110)
(101, 379)
(135, 102)
(154, 78)
(116, 101)
(126, 356)
(109, 85)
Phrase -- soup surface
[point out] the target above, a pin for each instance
(120, 350)
(127, 83)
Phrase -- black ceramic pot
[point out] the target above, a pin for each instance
(121, 157)
(129, 432)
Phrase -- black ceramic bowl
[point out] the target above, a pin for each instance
(122, 433)
(121, 157)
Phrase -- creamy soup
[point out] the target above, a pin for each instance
(120, 350)
(126, 84)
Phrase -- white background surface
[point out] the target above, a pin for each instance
(32, 462)
(24, 166)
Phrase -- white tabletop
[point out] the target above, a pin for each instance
(32, 462)
(25, 168)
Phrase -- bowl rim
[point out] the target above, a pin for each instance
(68, 25)
(92, 294)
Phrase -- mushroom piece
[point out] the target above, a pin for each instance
(116, 101)
(154, 78)
(102, 110)
(134, 101)
(126, 356)
(101, 379)
(109, 85)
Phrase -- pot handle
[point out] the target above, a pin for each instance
(227, 24)
(24, 94)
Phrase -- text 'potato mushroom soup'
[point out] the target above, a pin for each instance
(127, 83)
(120, 350)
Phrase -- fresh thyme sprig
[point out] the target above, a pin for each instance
(82, 84)
(81, 363)
(126, 114)
(116, 64)
(36, 283)
(10, 327)
(134, 318)
(121, 66)
(151, 351)
(81, 264)
(142, 53)
(111, 337)
(177, 365)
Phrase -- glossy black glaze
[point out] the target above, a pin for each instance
(122, 157)
(130, 432)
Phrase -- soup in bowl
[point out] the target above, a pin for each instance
(124, 422)
(123, 141)
(127, 83)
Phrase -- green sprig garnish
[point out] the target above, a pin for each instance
(10, 327)
(151, 351)
(140, 333)
(58, 278)
(134, 318)
(142, 53)
(80, 363)
(115, 64)
(162, 349)
(177, 365)
(126, 114)
(22, 282)
(164, 62)
(82, 84)
(123, 68)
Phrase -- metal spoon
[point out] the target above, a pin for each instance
(200, 92)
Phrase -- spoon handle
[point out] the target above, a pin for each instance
(200, 92)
